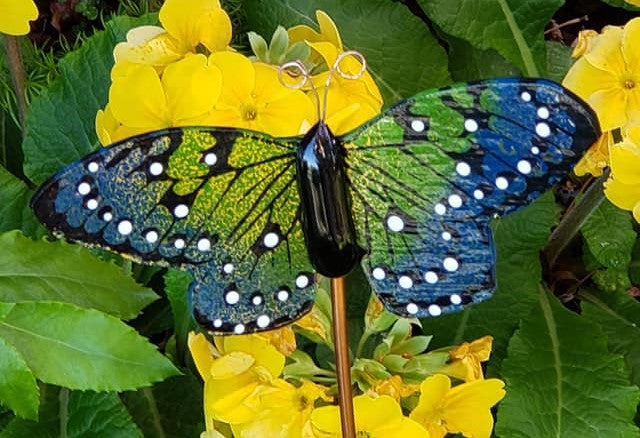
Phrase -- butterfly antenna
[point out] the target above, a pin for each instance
(294, 70)
(336, 69)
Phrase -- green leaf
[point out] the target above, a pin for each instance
(61, 121)
(468, 63)
(81, 348)
(610, 236)
(58, 271)
(18, 388)
(15, 213)
(563, 381)
(77, 414)
(512, 27)
(385, 32)
(171, 409)
(518, 240)
(177, 289)
(622, 4)
(259, 46)
(559, 60)
(619, 317)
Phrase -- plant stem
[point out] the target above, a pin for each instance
(363, 340)
(574, 220)
(18, 76)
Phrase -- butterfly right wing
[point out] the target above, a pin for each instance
(428, 175)
(221, 203)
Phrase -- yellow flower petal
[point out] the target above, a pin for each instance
(611, 106)
(238, 77)
(462, 409)
(192, 22)
(606, 53)
(584, 79)
(374, 417)
(137, 99)
(192, 88)
(328, 31)
(630, 38)
(201, 352)
(596, 158)
(15, 16)
(231, 365)
(150, 45)
(585, 42)
(622, 195)
(284, 339)
(625, 162)
(259, 348)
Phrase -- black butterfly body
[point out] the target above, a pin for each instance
(408, 195)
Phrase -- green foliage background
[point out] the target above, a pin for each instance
(78, 327)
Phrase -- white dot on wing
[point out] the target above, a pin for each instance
(271, 240)
(543, 112)
(238, 329)
(431, 277)
(395, 223)
(302, 281)
(417, 125)
(263, 321)
(434, 310)
(93, 167)
(156, 168)
(471, 125)
(463, 169)
(502, 183)
(204, 245)
(455, 299)
(524, 167)
(405, 282)
(478, 194)
(92, 204)
(125, 227)
(378, 273)
(440, 209)
(450, 264)
(232, 297)
(283, 295)
(84, 188)
(210, 159)
(181, 211)
(412, 308)
(543, 130)
(455, 201)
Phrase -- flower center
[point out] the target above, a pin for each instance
(303, 403)
(249, 112)
(629, 84)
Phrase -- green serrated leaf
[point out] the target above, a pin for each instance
(77, 414)
(559, 60)
(385, 32)
(512, 27)
(61, 121)
(15, 213)
(177, 290)
(57, 271)
(468, 63)
(171, 409)
(518, 238)
(18, 387)
(619, 317)
(610, 236)
(563, 381)
(82, 348)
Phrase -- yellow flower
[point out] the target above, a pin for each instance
(350, 102)
(236, 371)
(623, 187)
(141, 101)
(328, 33)
(375, 418)
(283, 411)
(607, 76)
(15, 16)
(465, 359)
(393, 387)
(185, 25)
(633, 2)
(586, 40)
(283, 339)
(462, 409)
(596, 158)
(253, 98)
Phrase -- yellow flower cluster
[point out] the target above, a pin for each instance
(607, 76)
(15, 16)
(245, 390)
(185, 73)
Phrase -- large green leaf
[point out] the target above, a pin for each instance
(57, 271)
(402, 55)
(171, 409)
(82, 348)
(77, 414)
(468, 63)
(60, 122)
(562, 380)
(18, 388)
(519, 239)
(512, 27)
(610, 236)
(559, 60)
(619, 316)
(622, 4)
(15, 213)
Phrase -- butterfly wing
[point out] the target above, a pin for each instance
(427, 176)
(220, 203)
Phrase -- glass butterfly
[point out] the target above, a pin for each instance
(409, 196)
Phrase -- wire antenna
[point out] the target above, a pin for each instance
(295, 69)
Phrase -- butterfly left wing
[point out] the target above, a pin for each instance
(220, 203)
(427, 176)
